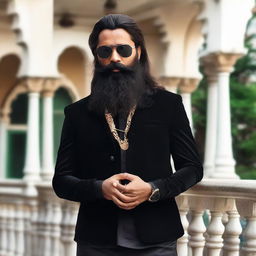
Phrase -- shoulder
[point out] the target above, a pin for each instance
(75, 106)
(165, 97)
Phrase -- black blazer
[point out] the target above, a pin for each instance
(88, 152)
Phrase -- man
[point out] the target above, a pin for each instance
(114, 154)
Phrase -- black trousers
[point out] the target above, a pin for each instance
(86, 250)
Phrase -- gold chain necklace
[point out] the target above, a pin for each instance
(122, 143)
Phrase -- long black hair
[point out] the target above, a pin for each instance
(114, 21)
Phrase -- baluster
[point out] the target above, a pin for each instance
(55, 230)
(232, 231)
(19, 230)
(64, 230)
(214, 241)
(249, 248)
(182, 243)
(3, 229)
(196, 231)
(47, 230)
(27, 230)
(11, 231)
(34, 239)
(40, 229)
(71, 211)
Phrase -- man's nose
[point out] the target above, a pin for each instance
(115, 57)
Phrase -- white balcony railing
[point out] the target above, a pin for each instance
(219, 218)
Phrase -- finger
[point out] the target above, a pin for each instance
(119, 186)
(124, 198)
(121, 176)
(130, 194)
(123, 205)
(130, 176)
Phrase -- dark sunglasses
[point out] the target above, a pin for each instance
(124, 50)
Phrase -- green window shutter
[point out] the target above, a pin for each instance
(16, 138)
(61, 99)
(16, 144)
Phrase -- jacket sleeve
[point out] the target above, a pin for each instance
(65, 184)
(185, 156)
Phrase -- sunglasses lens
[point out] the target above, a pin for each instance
(124, 50)
(104, 51)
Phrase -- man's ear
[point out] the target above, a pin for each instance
(139, 52)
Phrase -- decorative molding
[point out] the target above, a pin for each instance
(169, 82)
(209, 70)
(49, 87)
(188, 85)
(6, 110)
(34, 84)
(221, 61)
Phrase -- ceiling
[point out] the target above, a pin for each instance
(95, 8)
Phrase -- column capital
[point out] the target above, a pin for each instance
(254, 10)
(5, 116)
(49, 87)
(188, 85)
(169, 82)
(33, 84)
(220, 61)
(209, 70)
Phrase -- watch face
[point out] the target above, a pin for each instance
(155, 196)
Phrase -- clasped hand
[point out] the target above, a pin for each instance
(127, 196)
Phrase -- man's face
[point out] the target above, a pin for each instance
(114, 37)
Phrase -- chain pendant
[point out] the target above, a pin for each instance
(124, 145)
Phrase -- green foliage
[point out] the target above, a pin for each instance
(199, 103)
(243, 109)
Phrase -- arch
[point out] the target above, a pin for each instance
(193, 42)
(64, 39)
(73, 64)
(9, 67)
(66, 83)
(13, 94)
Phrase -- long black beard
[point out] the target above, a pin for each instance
(116, 92)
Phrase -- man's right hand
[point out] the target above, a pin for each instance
(110, 192)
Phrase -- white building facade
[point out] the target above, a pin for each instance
(46, 63)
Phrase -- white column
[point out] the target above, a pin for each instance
(211, 124)
(220, 64)
(211, 130)
(186, 98)
(224, 162)
(32, 158)
(47, 157)
(3, 147)
(186, 87)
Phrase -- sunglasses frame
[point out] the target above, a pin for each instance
(114, 46)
